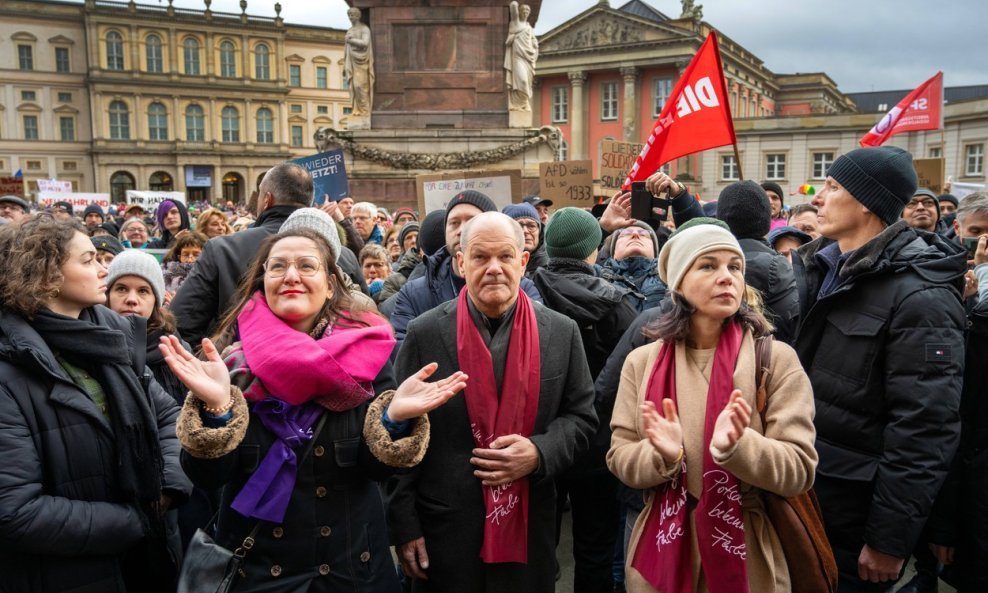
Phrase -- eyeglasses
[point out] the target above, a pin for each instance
(633, 232)
(926, 203)
(276, 267)
(529, 226)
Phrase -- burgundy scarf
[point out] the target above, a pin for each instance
(493, 415)
(663, 552)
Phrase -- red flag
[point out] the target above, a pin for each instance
(922, 109)
(696, 116)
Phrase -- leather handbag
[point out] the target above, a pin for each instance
(211, 568)
(797, 520)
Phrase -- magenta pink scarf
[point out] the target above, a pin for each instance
(336, 371)
(663, 552)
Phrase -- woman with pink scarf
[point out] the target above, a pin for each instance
(287, 423)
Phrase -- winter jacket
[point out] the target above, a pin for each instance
(639, 274)
(771, 273)
(884, 351)
(63, 524)
(537, 259)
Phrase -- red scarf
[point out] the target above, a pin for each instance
(493, 415)
(663, 552)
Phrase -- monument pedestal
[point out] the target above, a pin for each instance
(519, 119)
(359, 122)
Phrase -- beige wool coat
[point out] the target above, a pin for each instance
(778, 457)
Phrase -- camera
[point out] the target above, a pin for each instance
(647, 207)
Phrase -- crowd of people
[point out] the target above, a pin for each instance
(358, 400)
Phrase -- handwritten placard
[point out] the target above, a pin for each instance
(12, 186)
(567, 183)
(150, 199)
(930, 174)
(54, 186)
(78, 200)
(616, 159)
(435, 190)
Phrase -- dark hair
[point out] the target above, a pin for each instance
(190, 239)
(338, 306)
(800, 208)
(290, 184)
(33, 253)
(674, 324)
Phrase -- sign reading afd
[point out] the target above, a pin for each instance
(328, 172)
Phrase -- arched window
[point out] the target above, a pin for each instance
(231, 124)
(563, 150)
(119, 121)
(161, 181)
(265, 126)
(228, 60)
(153, 55)
(262, 62)
(195, 124)
(114, 51)
(190, 48)
(233, 187)
(157, 122)
(120, 182)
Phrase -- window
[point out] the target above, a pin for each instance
(728, 168)
(114, 51)
(563, 150)
(347, 110)
(975, 159)
(294, 75)
(160, 181)
(190, 49)
(321, 82)
(935, 152)
(120, 182)
(883, 107)
(64, 97)
(195, 124)
(296, 108)
(155, 62)
(119, 121)
(25, 57)
(29, 96)
(228, 60)
(560, 104)
(775, 166)
(662, 88)
(265, 126)
(821, 163)
(69, 166)
(608, 101)
(157, 122)
(34, 165)
(262, 62)
(322, 109)
(62, 63)
(30, 127)
(231, 124)
(66, 126)
(297, 136)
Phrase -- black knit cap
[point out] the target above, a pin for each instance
(745, 207)
(432, 234)
(948, 198)
(408, 227)
(471, 197)
(773, 186)
(882, 179)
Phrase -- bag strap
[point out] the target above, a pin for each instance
(763, 364)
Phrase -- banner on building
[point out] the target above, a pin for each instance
(567, 183)
(616, 159)
(921, 109)
(696, 117)
(329, 180)
(198, 176)
(149, 200)
(54, 186)
(12, 186)
(78, 200)
(434, 190)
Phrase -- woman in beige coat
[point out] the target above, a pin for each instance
(708, 531)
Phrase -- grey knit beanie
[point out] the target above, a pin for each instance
(572, 233)
(134, 262)
(882, 179)
(316, 220)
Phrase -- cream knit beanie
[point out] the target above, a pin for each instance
(682, 249)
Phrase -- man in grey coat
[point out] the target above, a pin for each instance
(478, 513)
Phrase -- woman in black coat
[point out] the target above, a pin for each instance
(91, 462)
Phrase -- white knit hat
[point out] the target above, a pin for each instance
(316, 220)
(682, 249)
(134, 262)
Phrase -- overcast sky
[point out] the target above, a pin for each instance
(863, 45)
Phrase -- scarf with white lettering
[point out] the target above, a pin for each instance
(663, 552)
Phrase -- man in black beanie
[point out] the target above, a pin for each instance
(776, 198)
(745, 207)
(882, 339)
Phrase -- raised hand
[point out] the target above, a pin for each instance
(659, 182)
(209, 380)
(617, 215)
(663, 431)
(415, 396)
(733, 419)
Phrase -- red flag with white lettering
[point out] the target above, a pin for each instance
(696, 116)
(921, 109)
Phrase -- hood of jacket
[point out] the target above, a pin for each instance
(633, 267)
(573, 288)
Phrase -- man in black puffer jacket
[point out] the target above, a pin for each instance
(882, 339)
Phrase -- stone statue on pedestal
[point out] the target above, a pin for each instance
(521, 51)
(358, 65)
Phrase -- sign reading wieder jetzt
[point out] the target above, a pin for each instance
(328, 172)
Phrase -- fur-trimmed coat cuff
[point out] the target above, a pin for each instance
(404, 452)
(203, 442)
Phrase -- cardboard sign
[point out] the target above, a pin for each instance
(150, 199)
(78, 200)
(54, 186)
(930, 173)
(328, 172)
(616, 160)
(12, 186)
(567, 183)
(434, 190)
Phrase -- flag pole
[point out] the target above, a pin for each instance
(737, 161)
(943, 159)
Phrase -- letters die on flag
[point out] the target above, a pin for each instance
(696, 117)
(921, 109)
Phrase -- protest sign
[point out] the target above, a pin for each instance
(78, 200)
(616, 159)
(566, 183)
(149, 200)
(434, 190)
(12, 186)
(54, 186)
(959, 190)
(930, 174)
(328, 175)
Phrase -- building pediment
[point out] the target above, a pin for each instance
(65, 109)
(61, 40)
(295, 59)
(296, 119)
(602, 27)
(321, 60)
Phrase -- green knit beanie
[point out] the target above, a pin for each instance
(572, 233)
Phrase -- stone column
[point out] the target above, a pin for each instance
(630, 104)
(578, 140)
(537, 102)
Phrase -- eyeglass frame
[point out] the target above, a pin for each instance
(290, 264)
